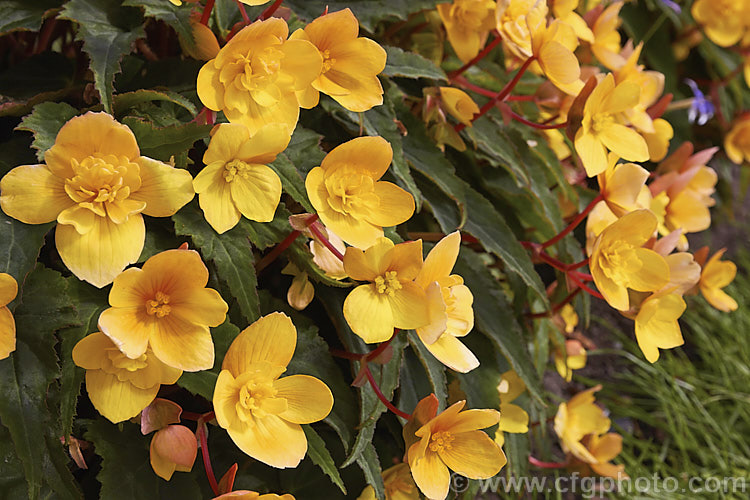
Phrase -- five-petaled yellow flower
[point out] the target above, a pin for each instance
(261, 412)
(453, 440)
(578, 418)
(449, 303)
(348, 196)
(467, 23)
(8, 292)
(656, 325)
(725, 22)
(717, 274)
(513, 418)
(392, 299)
(167, 307)
(96, 184)
(350, 63)
(236, 180)
(737, 141)
(255, 76)
(119, 386)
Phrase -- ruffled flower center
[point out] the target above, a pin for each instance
(441, 441)
(257, 69)
(257, 398)
(351, 193)
(470, 14)
(101, 181)
(619, 261)
(121, 366)
(388, 283)
(602, 121)
(159, 305)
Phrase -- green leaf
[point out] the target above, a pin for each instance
(319, 454)
(494, 317)
(123, 102)
(411, 65)
(370, 464)
(291, 181)
(368, 12)
(176, 17)
(19, 246)
(25, 380)
(25, 14)
(433, 368)
(161, 143)
(108, 32)
(45, 122)
(304, 149)
(230, 252)
(42, 77)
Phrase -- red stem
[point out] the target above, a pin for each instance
(243, 12)
(486, 50)
(588, 290)
(278, 249)
(546, 465)
(460, 80)
(42, 43)
(270, 10)
(321, 237)
(339, 353)
(540, 126)
(382, 347)
(579, 218)
(557, 307)
(202, 435)
(382, 397)
(207, 12)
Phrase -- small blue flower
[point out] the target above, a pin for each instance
(702, 109)
(672, 5)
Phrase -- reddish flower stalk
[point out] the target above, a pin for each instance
(540, 126)
(557, 307)
(382, 347)
(270, 10)
(207, 12)
(574, 278)
(460, 80)
(243, 12)
(283, 245)
(203, 437)
(579, 218)
(326, 243)
(486, 50)
(546, 465)
(382, 397)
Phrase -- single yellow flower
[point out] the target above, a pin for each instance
(737, 141)
(565, 11)
(458, 104)
(578, 418)
(651, 84)
(605, 448)
(301, 292)
(392, 299)
(261, 412)
(205, 46)
(467, 23)
(656, 325)
(452, 440)
(350, 63)
(8, 292)
(348, 196)
(516, 20)
(165, 306)
(398, 482)
(658, 141)
(513, 418)
(723, 21)
(717, 274)
(621, 186)
(173, 448)
(573, 358)
(602, 127)
(619, 262)
(449, 303)
(569, 317)
(606, 45)
(96, 184)
(120, 387)
(254, 77)
(236, 180)
(553, 46)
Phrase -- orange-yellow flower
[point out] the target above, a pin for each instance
(572, 358)
(119, 386)
(651, 84)
(96, 184)
(621, 186)
(398, 482)
(205, 46)
(605, 448)
(165, 306)
(467, 23)
(602, 127)
(565, 11)
(737, 141)
(578, 418)
(656, 325)
(255, 76)
(236, 180)
(350, 63)
(724, 21)
(513, 418)
(606, 45)
(261, 412)
(618, 260)
(453, 440)
(449, 303)
(516, 20)
(8, 292)
(717, 274)
(348, 196)
(391, 299)
(173, 448)
(458, 104)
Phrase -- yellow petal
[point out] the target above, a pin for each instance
(202, 306)
(272, 440)
(369, 314)
(164, 188)
(209, 87)
(363, 265)
(653, 275)
(408, 306)
(719, 299)
(332, 29)
(116, 400)
(624, 142)
(438, 318)
(257, 194)
(441, 259)
(90, 351)
(271, 338)
(406, 259)
(624, 186)
(607, 447)
(33, 194)
(181, 344)
(8, 289)
(129, 328)
(453, 353)
(429, 472)
(513, 418)
(592, 152)
(656, 325)
(316, 190)
(174, 271)
(353, 231)
(226, 141)
(371, 155)
(215, 198)
(474, 454)
(302, 60)
(225, 399)
(265, 145)
(285, 111)
(395, 205)
(559, 63)
(308, 399)
(7, 333)
(615, 294)
(102, 253)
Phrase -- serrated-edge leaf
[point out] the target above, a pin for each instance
(161, 143)
(45, 121)
(319, 454)
(291, 180)
(176, 17)
(125, 101)
(411, 65)
(370, 464)
(434, 369)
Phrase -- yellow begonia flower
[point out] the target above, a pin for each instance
(578, 418)
(467, 23)
(398, 482)
(658, 141)
(173, 448)
(516, 20)
(8, 292)
(651, 84)
(96, 184)
(236, 180)
(261, 412)
(449, 303)
(301, 292)
(165, 306)
(392, 299)
(737, 141)
(619, 262)
(656, 325)
(120, 387)
(458, 104)
(254, 77)
(602, 128)
(573, 358)
(350, 63)
(513, 418)
(205, 46)
(606, 46)
(564, 10)
(553, 47)
(716, 275)
(452, 440)
(621, 186)
(605, 448)
(723, 21)
(348, 196)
